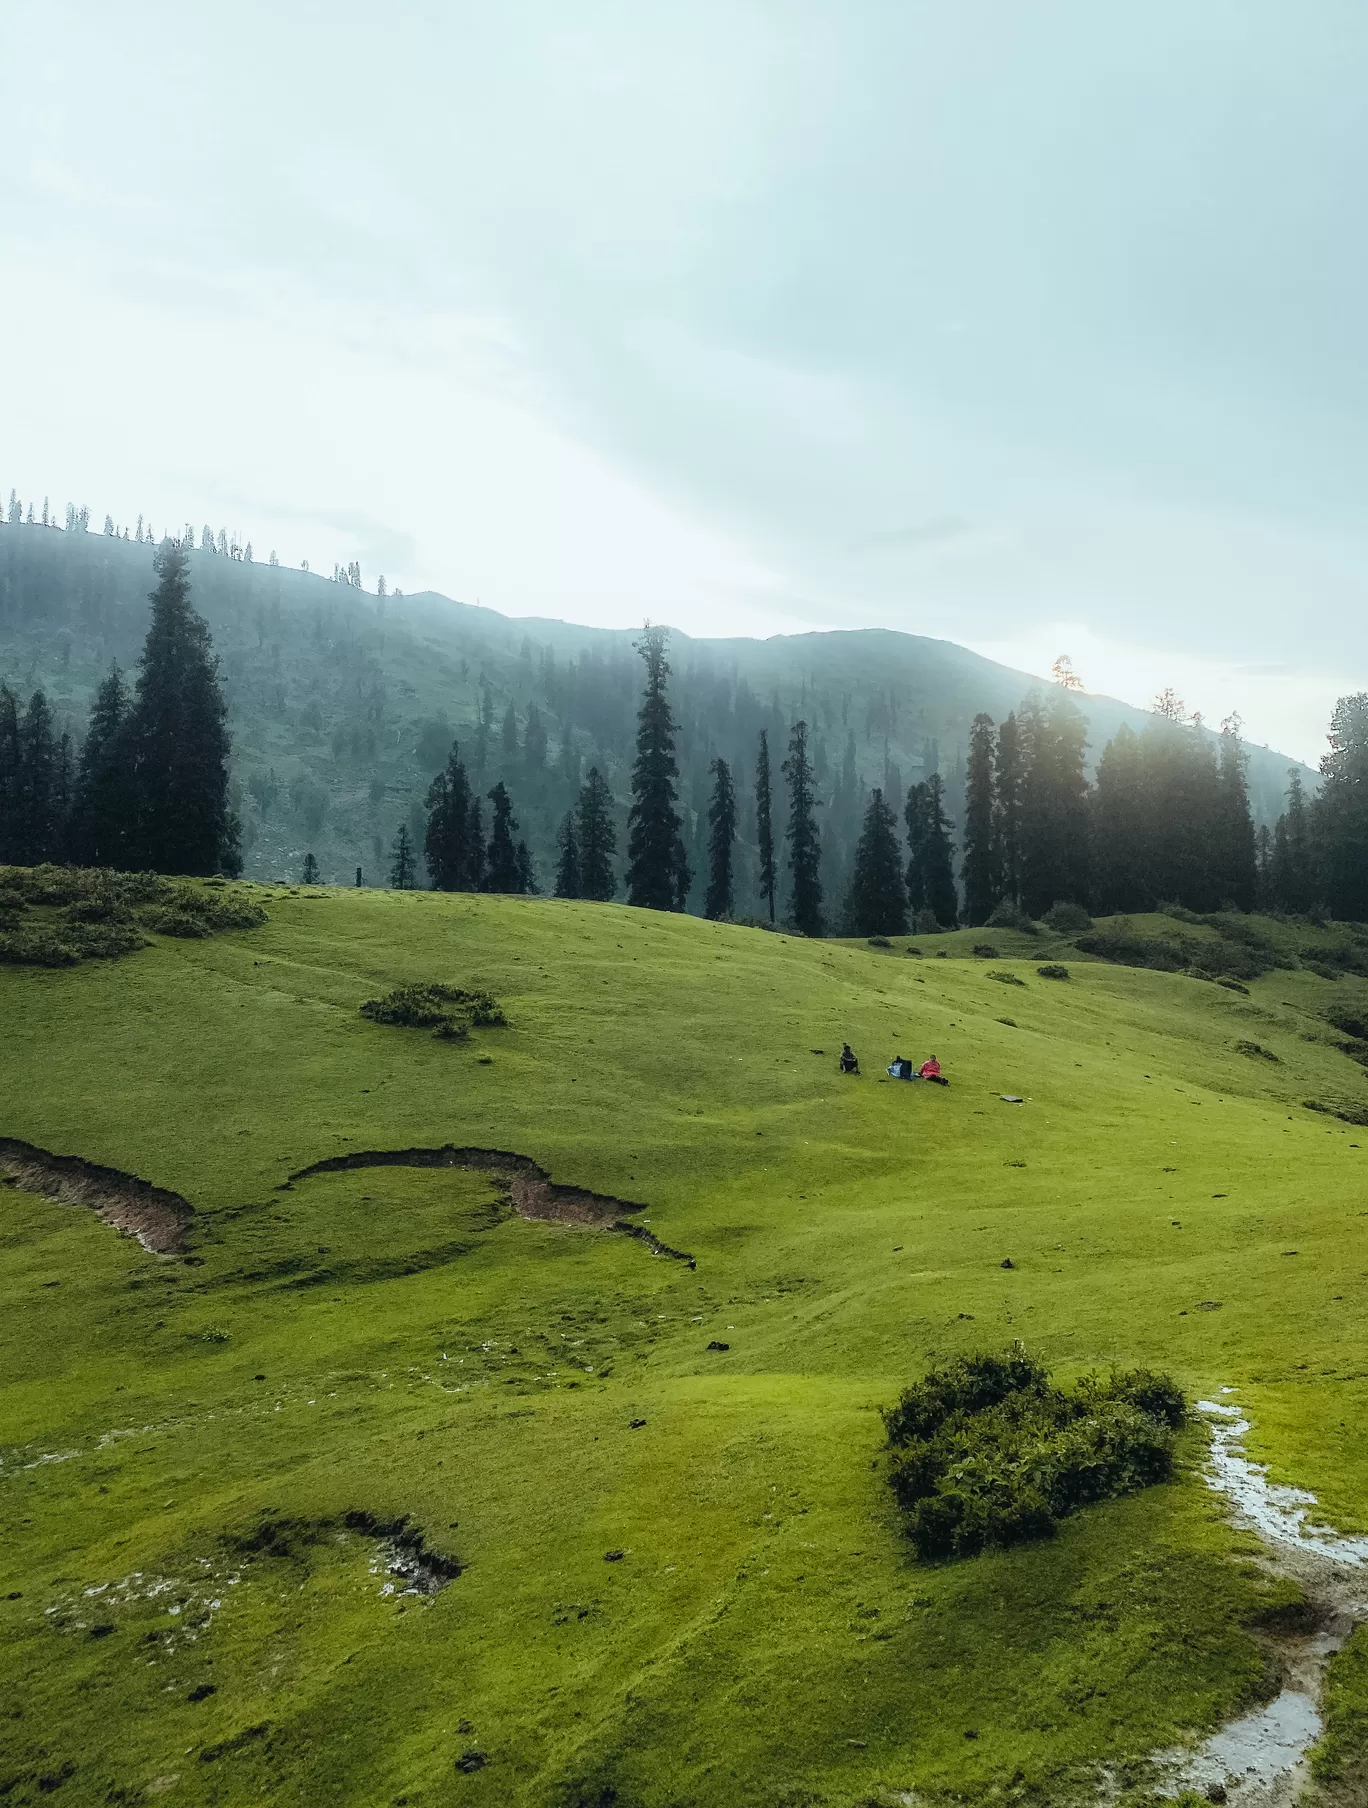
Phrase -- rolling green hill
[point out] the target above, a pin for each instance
(381, 1491)
(343, 704)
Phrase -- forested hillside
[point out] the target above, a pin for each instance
(343, 704)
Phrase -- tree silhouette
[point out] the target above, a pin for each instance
(721, 837)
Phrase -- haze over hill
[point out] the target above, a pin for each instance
(343, 703)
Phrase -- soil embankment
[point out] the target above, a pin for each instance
(158, 1218)
(527, 1188)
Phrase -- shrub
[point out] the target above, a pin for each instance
(927, 924)
(1233, 985)
(1053, 970)
(449, 1011)
(1345, 959)
(1007, 915)
(1127, 949)
(12, 903)
(878, 941)
(1255, 1049)
(1179, 912)
(1006, 979)
(1347, 1021)
(35, 948)
(1347, 1114)
(1321, 970)
(985, 1451)
(1066, 918)
(985, 951)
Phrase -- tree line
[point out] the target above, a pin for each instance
(149, 791)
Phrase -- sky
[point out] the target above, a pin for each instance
(1037, 325)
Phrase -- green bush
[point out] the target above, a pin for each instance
(1053, 970)
(448, 1011)
(878, 941)
(1255, 1049)
(985, 1451)
(1007, 915)
(1130, 950)
(985, 951)
(1005, 978)
(1067, 918)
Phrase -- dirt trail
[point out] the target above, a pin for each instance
(1260, 1759)
(157, 1218)
(529, 1189)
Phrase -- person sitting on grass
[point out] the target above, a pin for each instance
(930, 1070)
(899, 1068)
(849, 1063)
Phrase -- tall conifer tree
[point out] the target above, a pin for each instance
(655, 848)
(1237, 875)
(102, 817)
(178, 737)
(1007, 808)
(1342, 809)
(804, 843)
(40, 821)
(568, 864)
(878, 894)
(9, 776)
(502, 870)
(721, 839)
(931, 863)
(447, 843)
(981, 868)
(403, 866)
(764, 823)
(597, 837)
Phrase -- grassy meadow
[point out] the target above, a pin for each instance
(683, 1577)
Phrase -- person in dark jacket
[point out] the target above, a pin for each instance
(849, 1063)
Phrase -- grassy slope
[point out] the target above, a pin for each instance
(766, 1637)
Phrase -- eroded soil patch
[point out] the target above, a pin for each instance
(527, 1188)
(158, 1218)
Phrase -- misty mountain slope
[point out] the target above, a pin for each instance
(343, 704)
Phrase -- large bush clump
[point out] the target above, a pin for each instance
(986, 1451)
(55, 916)
(1067, 918)
(448, 1011)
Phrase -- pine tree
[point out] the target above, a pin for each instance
(1007, 809)
(510, 731)
(1236, 872)
(721, 839)
(527, 877)
(501, 862)
(103, 819)
(980, 869)
(1294, 875)
(804, 844)
(1342, 809)
(597, 838)
(878, 894)
(655, 848)
(178, 737)
(403, 867)
(764, 823)
(931, 866)
(310, 873)
(1120, 827)
(534, 738)
(39, 825)
(1265, 900)
(568, 864)
(1054, 804)
(9, 776)
(474, 848)
(447, 840)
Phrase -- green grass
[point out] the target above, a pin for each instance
(392, 1342)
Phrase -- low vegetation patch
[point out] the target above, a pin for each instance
(1255, 1050)
(986, 1451)
(450, 1012)
(1005, 978)
(1067, 919)
(1053, 970)
(56, 916)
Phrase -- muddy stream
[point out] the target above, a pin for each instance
(1260, 1760)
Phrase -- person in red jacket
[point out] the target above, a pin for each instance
(930, 1070)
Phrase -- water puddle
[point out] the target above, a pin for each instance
(1259, 1760)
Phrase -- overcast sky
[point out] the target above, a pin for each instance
(1033, 324)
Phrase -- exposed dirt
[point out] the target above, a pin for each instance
(157, 1218)
(529, 1189)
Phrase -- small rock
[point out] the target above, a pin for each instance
(636, 1424)
(1216, 1792)
(203, 1692)
(1008, 1263)
(971, 1732)
(472, 1760)
(613, 1556)
(719, 1346)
